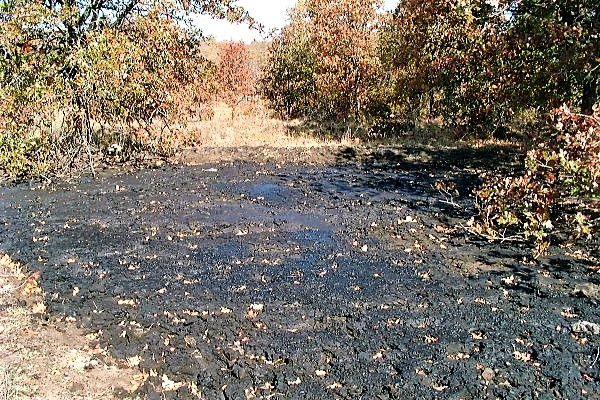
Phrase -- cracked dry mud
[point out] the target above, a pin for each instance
(344, 280)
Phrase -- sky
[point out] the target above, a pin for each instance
(271, 13)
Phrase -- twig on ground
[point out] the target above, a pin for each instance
(597, 356)
(452, 203)
(503, 239)
(11, 288)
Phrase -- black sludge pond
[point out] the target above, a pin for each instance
(245, 280)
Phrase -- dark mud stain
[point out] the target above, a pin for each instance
(248, 280)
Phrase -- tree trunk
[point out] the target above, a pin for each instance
(590, 94)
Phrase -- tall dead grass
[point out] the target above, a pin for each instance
(13, 320)
(8, 385)
(250, 124)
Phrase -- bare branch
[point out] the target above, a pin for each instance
(125, 12)
(93, 7)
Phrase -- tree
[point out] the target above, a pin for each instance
(478, 62)
(330, 45)
(234, 77)
(554, 55)
(443, 58)
(289, 79)
(67, 66)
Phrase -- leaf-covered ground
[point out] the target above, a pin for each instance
(348, 279)
(43, 359)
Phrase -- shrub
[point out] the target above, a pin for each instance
(80, 77)
(558, 195)
(288, 82)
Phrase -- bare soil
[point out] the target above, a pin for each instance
(337, 273)
(46, 358)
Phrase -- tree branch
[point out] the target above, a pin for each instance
(126, 11)
(93, 7)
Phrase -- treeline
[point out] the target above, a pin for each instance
(473, 67)
(474, 64)
(82, 79)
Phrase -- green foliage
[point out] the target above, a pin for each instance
(121, 83)
(475, 64)
(559, 194)
(89, 75)
(22, 157)
(552, 53)
(427, 49)
(289, 81)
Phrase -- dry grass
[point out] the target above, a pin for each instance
(13, 320)
(250, 125)
(9, 379)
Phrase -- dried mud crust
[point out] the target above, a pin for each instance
(344, 279)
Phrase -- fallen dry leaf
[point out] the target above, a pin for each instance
(134, 361)
(439, 388)
(39, 308)
(425, 276)
(31, 285)
(443, 229)
(254, 310)
(522, 356)
(169, 385)
(126, 302)
(580, 340)
(190, 341)
(408, 220)
(569, 313)
(509, 280)
(431, 339)
(378, 355)
(477, 335)
(459, 356)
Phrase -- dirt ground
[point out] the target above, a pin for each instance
(46, 358)
(333, 273)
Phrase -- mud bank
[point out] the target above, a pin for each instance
(345, 280)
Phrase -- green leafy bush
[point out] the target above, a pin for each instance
(559, 194)
(78, 78)
(23, 157)
(289, 81)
